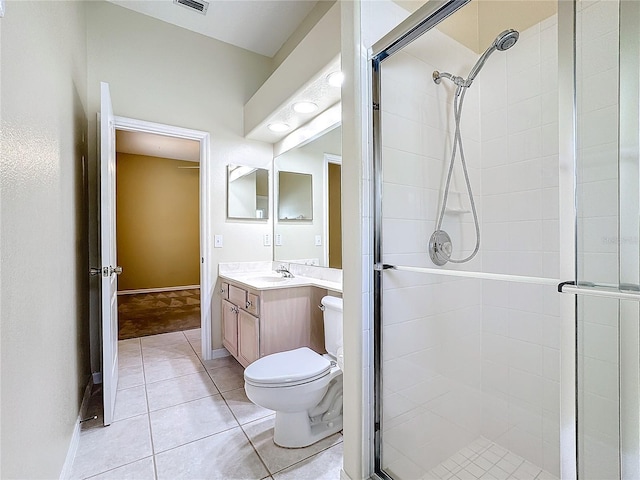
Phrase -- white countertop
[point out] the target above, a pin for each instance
(269, 280)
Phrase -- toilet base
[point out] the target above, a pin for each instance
(294, 430)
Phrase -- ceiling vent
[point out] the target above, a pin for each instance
(199, 6)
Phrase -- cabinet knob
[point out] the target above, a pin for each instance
(222, 290)
(248, 303)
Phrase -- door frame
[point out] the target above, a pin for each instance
(206, 283)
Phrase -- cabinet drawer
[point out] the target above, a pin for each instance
(237, 296)
(253, 303)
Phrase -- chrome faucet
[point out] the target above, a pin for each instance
(285, 273)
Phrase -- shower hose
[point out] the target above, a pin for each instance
(457, 145)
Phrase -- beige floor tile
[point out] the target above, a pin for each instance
(227, 455)
(171, 368)
(193, 336)
(244, 409)
(130, 402)
(228, 378)
(130, 376)
(105, 448)
(163, 339)
(168, 393)
(277, 458)
(325, 465)
(140, 470)
(126, 359)
(177, 425)
(165, 352)
(227, 361)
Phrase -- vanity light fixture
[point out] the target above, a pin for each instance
(335, 79)
(305, 107)
(278, 127)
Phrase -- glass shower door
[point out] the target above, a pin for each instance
(608, 262)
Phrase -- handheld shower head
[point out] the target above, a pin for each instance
(506, 40)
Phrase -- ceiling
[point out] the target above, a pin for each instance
(152, 145)
(261, 26)
(477, 23)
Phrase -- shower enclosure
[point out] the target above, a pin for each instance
(523, 361)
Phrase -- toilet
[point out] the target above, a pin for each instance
(303, 387)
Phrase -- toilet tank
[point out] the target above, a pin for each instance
(332, 324)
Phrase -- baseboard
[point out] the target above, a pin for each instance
(97, 378)
(75, 437)
(158, 290)
(219, 353)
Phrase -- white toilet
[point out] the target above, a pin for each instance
(303, 387)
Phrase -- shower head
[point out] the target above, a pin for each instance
(506, 40)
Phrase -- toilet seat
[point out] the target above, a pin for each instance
(287, 369)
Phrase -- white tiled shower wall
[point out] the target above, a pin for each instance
(520, 322)
(432, 325)
(465, 358)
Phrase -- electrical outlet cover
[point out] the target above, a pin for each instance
(217, 241)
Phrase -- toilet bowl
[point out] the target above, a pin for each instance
(303, 387)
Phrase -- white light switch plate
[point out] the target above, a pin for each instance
(318, 240)
(278, 240)
(267, 240)
(217, 241)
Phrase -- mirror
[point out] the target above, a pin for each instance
(295, 196)
(247, 192)
(312, 171)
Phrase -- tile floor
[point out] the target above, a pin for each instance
(179, 417)
(483, 459)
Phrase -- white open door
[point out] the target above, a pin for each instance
(108, 253)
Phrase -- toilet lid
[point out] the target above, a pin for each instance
(288, 368)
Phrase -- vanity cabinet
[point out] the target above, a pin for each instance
(256, 323)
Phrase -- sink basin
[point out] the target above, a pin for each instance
(268, 279)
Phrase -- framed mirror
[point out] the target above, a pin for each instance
(316, 240)
(295, 196)
(247, 193)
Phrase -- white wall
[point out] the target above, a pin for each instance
(44, 255)
(162, 73)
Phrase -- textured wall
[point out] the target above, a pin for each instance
(43, 235)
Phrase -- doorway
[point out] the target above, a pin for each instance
(157, 233)
(163, 132)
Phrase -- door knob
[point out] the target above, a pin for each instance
(116, 270)
(94, 271)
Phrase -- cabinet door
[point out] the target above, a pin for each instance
(248, 338)
(230, 327)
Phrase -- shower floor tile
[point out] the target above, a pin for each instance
(483, 459)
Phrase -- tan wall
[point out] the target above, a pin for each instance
(44, 264)
(157, 225)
